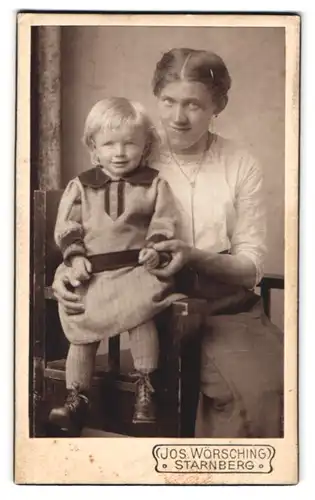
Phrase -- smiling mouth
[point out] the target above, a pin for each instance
(180, 129)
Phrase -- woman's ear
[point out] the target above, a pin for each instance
(220, 105)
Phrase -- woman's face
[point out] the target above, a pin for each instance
(185, 109)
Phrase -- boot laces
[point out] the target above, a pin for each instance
(145, 389)
(75, 398)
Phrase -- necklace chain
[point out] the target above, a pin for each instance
(191, 180)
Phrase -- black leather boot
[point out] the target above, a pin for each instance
(145, 408)
(72, 416)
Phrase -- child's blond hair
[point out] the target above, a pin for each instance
(114, 112)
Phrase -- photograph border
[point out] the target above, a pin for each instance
(64, 458)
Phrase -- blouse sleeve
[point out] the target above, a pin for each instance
(249, 235)
(69, 230)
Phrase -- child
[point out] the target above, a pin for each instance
(108, 220)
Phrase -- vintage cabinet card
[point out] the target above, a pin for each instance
(167, 231)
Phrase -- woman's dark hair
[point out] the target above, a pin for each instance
(195, 66)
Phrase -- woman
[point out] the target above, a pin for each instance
(221, 246)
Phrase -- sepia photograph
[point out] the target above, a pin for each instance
(157, 236)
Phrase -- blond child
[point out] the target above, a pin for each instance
(108, 220)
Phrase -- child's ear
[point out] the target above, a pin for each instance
(93, 152)
(146, 153)
(94, 156)
(151, 141)
(90, 145)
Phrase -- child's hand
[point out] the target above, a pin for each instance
(80, 269)
(149, 258)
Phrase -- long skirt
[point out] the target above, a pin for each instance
(242, 365)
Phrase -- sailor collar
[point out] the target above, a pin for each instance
(96, 177)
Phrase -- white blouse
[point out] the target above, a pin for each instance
(224, 209)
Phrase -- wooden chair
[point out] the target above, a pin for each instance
(113, 388)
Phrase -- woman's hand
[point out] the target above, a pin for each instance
(67, 298)
(181, 253)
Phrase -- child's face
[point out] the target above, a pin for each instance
(119, 151)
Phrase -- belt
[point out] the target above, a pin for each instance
(117, 260)
(114, 260)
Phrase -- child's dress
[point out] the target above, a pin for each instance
(109, 222)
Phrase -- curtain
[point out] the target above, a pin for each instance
(46, 107)
(45, 175)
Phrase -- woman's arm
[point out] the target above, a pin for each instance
(233, 269)
(244, 266)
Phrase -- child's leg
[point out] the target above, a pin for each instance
(80, 365)
(79, 372)
(144, 346)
